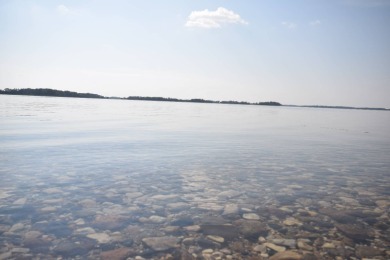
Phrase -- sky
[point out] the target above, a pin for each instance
(301, 52)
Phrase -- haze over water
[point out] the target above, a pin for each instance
(100, 178)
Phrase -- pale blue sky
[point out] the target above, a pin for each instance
(329, 52)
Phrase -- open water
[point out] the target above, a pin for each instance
(119, 179)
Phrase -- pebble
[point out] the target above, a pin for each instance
(170, 229)
(16, 227)
(292, 222)
(251, 216)
(100, 237)
(20, 250)
(194, 228)
(291, 243)
(259, 248)
(275, 247)
(216, 238)
(20, 201)
(207, 251)
(304, 246)
(48, 209)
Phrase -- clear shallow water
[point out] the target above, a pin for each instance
(110, 174)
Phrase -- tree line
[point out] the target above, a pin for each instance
(47, 92)
(61, 93)
(199, 100)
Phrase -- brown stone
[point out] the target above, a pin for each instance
(286, 255)
(117, 254)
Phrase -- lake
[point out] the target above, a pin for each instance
(120, 179)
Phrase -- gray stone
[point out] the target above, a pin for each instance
(291, 243)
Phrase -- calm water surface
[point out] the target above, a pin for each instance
(117, 179)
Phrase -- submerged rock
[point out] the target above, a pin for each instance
(338, 215)
(275, 247)
(161, 243)
(291, 243)
(178, 206)
(230, 209)
(17, 227)
(182, 221)
(111, 222)
(251, 229)
(286, 255)
(117, 254)
(37, 244)
(291, 222)
(355, 232)
(59, 229)
(251, 216)
(73, 247)
(228, 232)
(216, 238)
(100, 237)
(368, 251)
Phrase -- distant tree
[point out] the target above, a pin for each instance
(47, 92)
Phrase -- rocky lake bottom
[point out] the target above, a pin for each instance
(125, 180)
(277, 214)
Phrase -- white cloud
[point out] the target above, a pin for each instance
(315, 23)
(213, 19)
(64, 10)
(289, 25)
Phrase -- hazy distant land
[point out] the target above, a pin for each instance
(61, 93)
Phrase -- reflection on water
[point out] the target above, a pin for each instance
(116, 179)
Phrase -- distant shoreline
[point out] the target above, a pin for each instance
(60, 93)
(46, 92)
